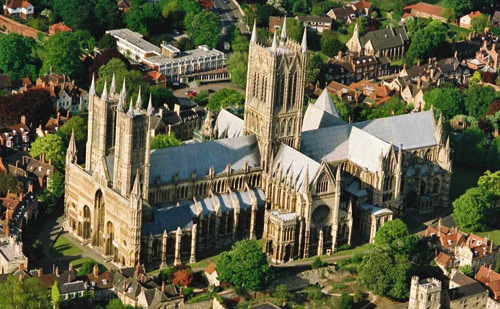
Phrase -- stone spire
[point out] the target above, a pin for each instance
(304, 41)
(253, 39)
(121, 104)
(71, 152)
(150, 109)
(130, 112)
(305, 182)
(112, 89)
(138, 103)
(123, 92)
(92, 86)
(283, 30)
(136, 189)
(274, 47)
(104, 95)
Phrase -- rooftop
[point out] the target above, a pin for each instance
(136, 39)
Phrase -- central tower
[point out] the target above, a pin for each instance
(275, 93)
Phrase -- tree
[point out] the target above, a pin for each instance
(476, 77)
(237, 65)
(225, 98)
(346, 301)
(281, 294)
(145, 18)
(205, 29)
(62, 54)
(318, 263)
(473, 209)
(185, 43)
(294, 29)
(239, 42)
(76, 14)
(202, 98)
(74, 124)
(166, 274)
(245, 266)
(28, 293)
(55, 294)
(477, 99)
(490, 183)
(467, 270)
(313, 67)
(7, 183)
(385, 273)
(426, 42)
(16, 58)
(164, 140)
(107, 15)
(480, 22)
(183, 276)
(461, 7)
(362, 23)
(88, 267)
(447, 100)
(395, 236)
(52, 146)
(36, 105)
(345, 111)
(106, 42)
(330, 44)
(393, 107)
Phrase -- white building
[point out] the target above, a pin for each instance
(177, 65)
(19, 8)
(133, 45)
(11, 256)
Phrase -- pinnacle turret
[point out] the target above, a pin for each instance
(253, 39)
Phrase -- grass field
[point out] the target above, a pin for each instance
(63, 247)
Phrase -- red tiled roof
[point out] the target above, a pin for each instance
(486, 275)
(474, 14)
(443, 259)
(206, 4)
(426, 8)
(210, 268)
(26, 4)
(362, 5)
(59, 27)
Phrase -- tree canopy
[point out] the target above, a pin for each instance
(313, 67)
(16, 57)
(393, 107)
(477, 99)
(385, 273)
(330, 44)
(144, 17)
(395, 236)
(36, 105)
(447, 100)
(245, 266)
(7, 183)
(225, 98)
(205, 28)
(237, 65)
(62, 54)
(88, 267)
(426, 42)
(164, 140)
(52, 146)
(28, 293)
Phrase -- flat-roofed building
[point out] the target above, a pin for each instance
(133, 45)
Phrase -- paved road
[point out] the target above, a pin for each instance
(229, 14)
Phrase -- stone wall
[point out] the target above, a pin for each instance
(310, 277)
(10, 26)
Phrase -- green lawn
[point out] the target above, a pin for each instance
(63, 247)
(492, 235)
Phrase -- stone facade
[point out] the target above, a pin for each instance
(303, 191)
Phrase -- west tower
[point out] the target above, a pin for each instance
(275, 93)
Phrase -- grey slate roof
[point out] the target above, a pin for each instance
(386, 38)
(363, 142)
(172, 216)
(183, 160)
(72, 287)
(315, 118)
(325, 103)
(295, 163)
(228, 125)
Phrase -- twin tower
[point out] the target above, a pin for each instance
(275, 93)
(118, 137)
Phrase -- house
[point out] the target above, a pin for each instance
(59, 27)
(444, 261)
(424, 10)
(30, 171)
(491, 279)
(212, 275)
(19, 8)
(352, 68)
(16, 209)
(389, 42)
(123, 5)
(466, 20)
(318, 23)
(65, 93)
(346, 94)
(155, 78)
(414, 95)
(17, 136)
(373, 93)
(345, 14)
(135, 288)
(207, 5)
(186, 118)
(12, 256)
(71, 290)
(362, 8)
(53, 124)
(489, 57)
(100, 284)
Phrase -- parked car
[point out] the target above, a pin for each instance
(192, 94)
(188, 92)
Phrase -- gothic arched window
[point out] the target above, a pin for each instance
(322, 184)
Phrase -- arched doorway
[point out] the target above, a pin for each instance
(288, 253)
(86, 222)
(110, 250)
(99, 213)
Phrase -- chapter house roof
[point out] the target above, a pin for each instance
(386, 38)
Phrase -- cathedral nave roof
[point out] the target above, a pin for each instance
(228, 124)
(183, 160)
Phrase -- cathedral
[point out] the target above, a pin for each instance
(301, 179)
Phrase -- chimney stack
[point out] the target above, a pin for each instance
(70, 267)
(96, 270)
(23, 119)
(137, 270)
(57, 271)
(163, 287)
(177, 109)
(40, 272)
(21, 266)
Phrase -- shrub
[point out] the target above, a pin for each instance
(318, 263)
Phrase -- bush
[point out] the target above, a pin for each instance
(467, 270)
(344, 247)
(187, 291)
(88, 268)
(318, 263)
